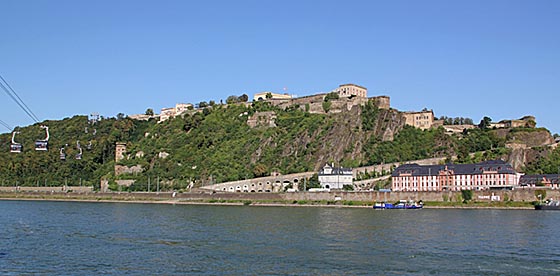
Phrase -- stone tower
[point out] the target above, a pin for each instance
(120, 149)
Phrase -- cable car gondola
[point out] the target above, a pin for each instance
(15, 147)
(43, 145)
(62, 154)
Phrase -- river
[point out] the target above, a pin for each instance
(77, 238)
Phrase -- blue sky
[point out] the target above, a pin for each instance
(460, 58)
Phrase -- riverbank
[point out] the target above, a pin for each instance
(218, 199)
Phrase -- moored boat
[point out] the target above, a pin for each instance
(403, 204)
(548, 205)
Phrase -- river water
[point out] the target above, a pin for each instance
(74, 238)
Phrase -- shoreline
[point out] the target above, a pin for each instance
(126, 198)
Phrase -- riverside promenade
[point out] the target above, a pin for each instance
(520, 195)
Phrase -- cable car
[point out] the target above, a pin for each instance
(15, 147)
(79, 155)
(43, 145)
(62, 154)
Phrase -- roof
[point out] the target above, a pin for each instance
(533, 179)
(351, 84)
(497, 166)
(335, 170)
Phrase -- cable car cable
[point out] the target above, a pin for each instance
(16, 94)
(5, 125)
(18, 103)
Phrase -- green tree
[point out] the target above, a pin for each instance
(243, 98)
(331, 96)
(467, 195)
(485, 123)
(327, 106)
(232, 99)
(149, 112)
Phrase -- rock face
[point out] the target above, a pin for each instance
(262, 119)
(342, 138)
(119, 169)
(526, 145)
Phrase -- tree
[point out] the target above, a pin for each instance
(468, 121)
(485, 123)
(260, 170)
(243, 98)
(269, 95)
(120, 116)
(149, 112)
(327, 106)
(202, 104)
(231, 99)
(212, 103)
(331, 96)
(467, 195)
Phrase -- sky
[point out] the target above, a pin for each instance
(473, 58)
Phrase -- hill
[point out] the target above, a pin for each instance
(231, 142)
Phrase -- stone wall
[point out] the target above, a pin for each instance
(75, 189)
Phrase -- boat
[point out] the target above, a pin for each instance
(548, 205)
(402, 204)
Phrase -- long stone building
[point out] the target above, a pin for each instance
(454, 177)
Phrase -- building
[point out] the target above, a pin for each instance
(272, 96)
(347, 90)
(454, 177)
(142, 117)
(120, 150)
(551, 181)
(527, 121)
(166, 113)
(334, 178)
(172, 112)
(181, 108)
(421, 119)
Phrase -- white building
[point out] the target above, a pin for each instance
(334, 178)
(172, 112)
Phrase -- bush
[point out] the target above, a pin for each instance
(467, 195)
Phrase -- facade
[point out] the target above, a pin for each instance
(334, 178)
(171, 112)
(181, 108)
(527, 121)
(422, 119)
(120, 150)
(262, 96)
(142, 117)
(551, 181)
(347, 90)
(454, 177)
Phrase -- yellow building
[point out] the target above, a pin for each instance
(422, 119)
(347, 90)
